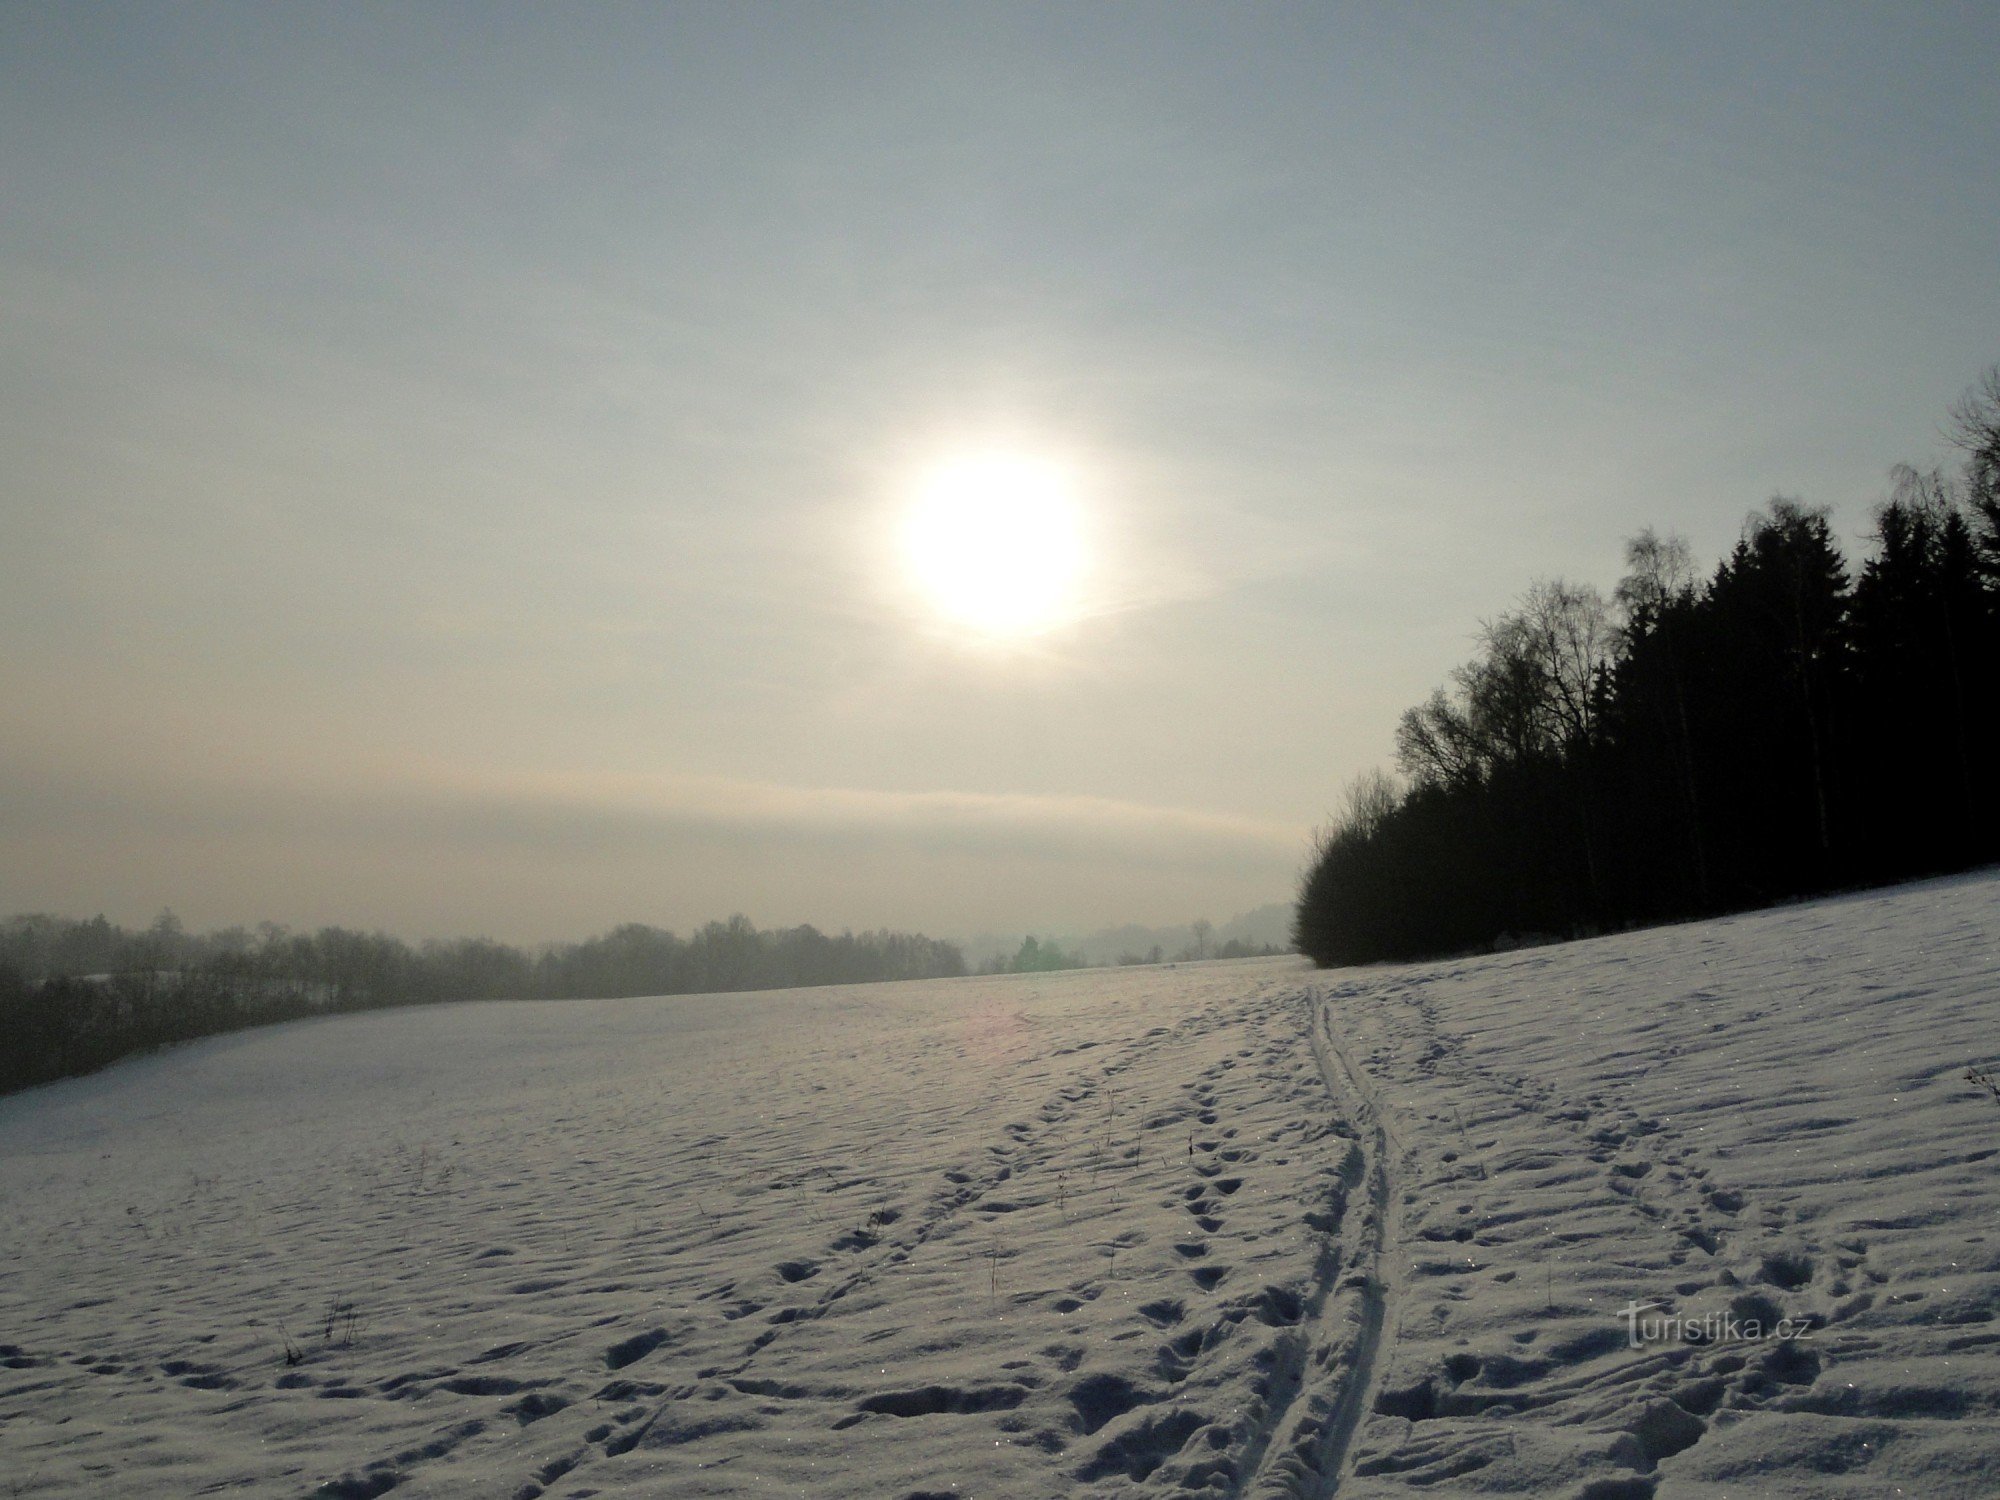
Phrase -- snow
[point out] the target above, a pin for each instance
(1236, 1228)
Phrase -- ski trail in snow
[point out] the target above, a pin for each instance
(1327, 1374)
(1370, 1266)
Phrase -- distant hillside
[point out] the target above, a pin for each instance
(1267, 926)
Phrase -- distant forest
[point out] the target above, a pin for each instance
(76, 995)
(1047, 956)
(1695, 744)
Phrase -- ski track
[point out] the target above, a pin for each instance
(1763, 1116)
(1236, 1230)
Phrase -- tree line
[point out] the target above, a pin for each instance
(1781, 726)
(1047, 956)
(76, 995)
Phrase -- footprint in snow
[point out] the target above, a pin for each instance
(1163, 1313)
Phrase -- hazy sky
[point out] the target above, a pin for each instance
(451, 458)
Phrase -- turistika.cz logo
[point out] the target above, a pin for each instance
(1646, 1324)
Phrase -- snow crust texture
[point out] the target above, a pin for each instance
(1226, 1229)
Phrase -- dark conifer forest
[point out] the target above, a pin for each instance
(1789, 723)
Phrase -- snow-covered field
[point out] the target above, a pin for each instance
(1230, 1228)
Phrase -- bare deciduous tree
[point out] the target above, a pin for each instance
(1437, 745)
(1659, 573)
(1565, 631)
(1975, 427)
(1529, 695)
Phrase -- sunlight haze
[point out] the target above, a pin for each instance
(995, 541)
(508, 469)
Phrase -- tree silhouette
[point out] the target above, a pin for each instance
(1782, 727)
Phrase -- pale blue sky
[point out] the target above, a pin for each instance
(448, 453)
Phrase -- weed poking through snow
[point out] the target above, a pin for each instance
(1983, 1078)
(339, 1324)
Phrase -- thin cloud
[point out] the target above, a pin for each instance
(575, 814)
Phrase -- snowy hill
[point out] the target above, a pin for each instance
(1229, 1229)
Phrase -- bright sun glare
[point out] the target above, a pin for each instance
(995, 543)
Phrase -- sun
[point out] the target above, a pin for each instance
(994, 542)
